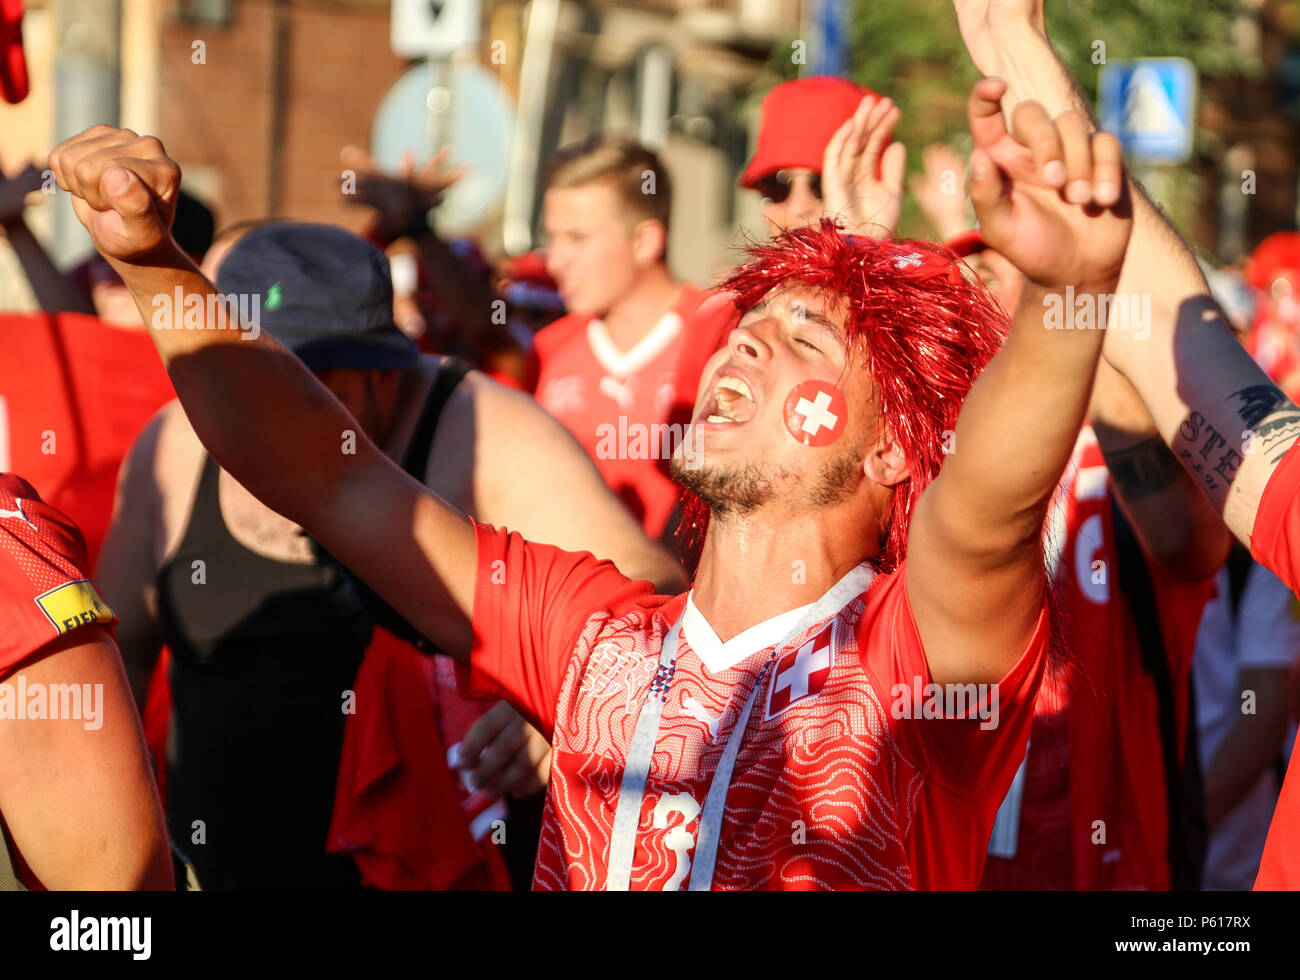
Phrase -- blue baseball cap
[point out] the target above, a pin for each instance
(324, 293)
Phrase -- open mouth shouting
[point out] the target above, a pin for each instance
(731, 401)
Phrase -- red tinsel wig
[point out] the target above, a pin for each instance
(921, 329)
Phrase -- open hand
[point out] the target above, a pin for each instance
(862, 177)
(401, 198)
(938, 189)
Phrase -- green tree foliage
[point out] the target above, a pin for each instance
(913, 52)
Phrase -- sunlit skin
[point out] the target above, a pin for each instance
(801, 209)
(112, 300)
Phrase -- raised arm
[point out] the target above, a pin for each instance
(975, 568)
(1175, 522)
(1207, 399)
(260, 413)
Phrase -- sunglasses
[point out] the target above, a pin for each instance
(777, 187)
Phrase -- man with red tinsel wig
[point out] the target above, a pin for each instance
(843, 697)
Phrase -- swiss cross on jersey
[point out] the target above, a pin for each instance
(800, 674)
(815, 752)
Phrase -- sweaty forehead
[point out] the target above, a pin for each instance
(804, 305)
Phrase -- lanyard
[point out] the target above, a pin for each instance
(640, 753)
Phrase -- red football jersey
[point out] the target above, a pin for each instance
(45, 589)
(629, 409)
(1094, 814)
(845, 776)
(74, 393)
(1275, 543)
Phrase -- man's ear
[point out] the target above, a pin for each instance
(885, 463)
(649, 242)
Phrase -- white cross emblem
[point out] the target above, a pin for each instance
(911, 258)
(793, 682)
(18, 513)
(816, 414)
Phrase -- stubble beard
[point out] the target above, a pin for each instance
(732, 492)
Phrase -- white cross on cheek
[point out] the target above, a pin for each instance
(806, 663)
(815, 413)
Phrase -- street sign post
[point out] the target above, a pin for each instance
(479, 120)
(1150, 104)
(433, 28)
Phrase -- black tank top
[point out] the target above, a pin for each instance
(263, 652)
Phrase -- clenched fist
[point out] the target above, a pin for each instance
(123, 189)
(1050, 195)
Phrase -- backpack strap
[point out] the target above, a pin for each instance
(416, 458)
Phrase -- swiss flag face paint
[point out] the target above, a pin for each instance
(816, 413)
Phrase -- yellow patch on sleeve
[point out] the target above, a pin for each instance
(74, 604)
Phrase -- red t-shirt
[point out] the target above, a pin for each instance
(45, 588)
(1275, 544)
(1094, 814)
(74, 393)
(629, 409)
(836, 784)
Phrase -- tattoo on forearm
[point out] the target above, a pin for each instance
(1208, 456)
(1258, 403)
(1144, 469)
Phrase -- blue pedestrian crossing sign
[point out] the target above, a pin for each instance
(1150, 104)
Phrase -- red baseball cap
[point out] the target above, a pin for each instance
(967, 243)
(1276, 256)
(13, 66)
(797, 120)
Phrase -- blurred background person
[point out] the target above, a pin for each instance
(621, 369)
(825, 149)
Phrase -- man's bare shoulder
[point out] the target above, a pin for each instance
(177, 449)
(164, 467)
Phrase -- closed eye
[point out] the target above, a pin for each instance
(808, 345)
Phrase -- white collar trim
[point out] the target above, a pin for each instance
(624, 364)
(718, 656)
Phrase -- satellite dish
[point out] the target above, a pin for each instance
(481, 127)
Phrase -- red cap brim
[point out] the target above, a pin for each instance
(13, 65)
